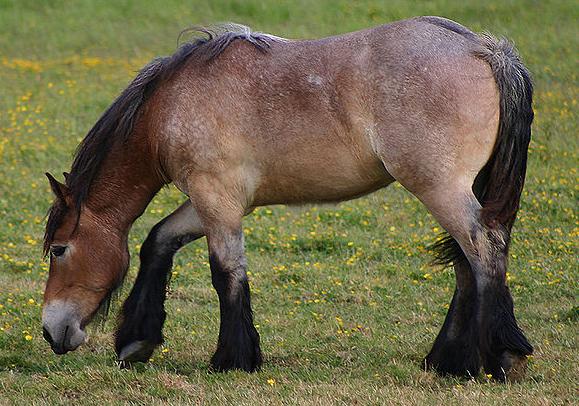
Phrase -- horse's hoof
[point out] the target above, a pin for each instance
(226, 366)
(223, 361)
(137, 351)
(446, 368)
(453, 358)
(514, 366)
(508, 367)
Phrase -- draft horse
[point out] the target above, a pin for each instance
(237, 120)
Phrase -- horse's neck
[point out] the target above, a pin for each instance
(126, 183)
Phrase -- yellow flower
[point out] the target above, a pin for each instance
(29, 240)
(28, 337)
(271, 381)
(91, 62)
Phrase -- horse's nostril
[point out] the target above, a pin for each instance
(66, 339)
(47, 336)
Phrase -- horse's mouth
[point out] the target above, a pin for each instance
(69, 340)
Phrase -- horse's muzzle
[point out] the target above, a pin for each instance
(61, 327)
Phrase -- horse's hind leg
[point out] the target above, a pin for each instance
(455, 350)
(143, 313)
(501, 344)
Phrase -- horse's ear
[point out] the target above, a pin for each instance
(60, 190)
(66, 175)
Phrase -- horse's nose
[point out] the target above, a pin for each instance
(47, 336)
(61, 328)
(62, 344)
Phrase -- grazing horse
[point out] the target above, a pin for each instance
(237, 120)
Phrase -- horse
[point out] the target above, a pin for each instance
(237, 119)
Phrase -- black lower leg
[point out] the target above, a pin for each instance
(455, 350)
(504, 347)
(238, 343)
(143, 314)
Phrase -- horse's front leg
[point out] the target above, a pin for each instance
(143, 313)
(218, 202)
(238, 343)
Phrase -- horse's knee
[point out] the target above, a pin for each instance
(170, 234)
(160, 243)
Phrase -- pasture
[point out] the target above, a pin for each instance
(344, 299)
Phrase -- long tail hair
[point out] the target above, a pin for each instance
(499, 185)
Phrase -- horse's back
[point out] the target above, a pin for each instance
(335, 118)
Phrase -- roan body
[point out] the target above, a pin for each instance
(240, 119)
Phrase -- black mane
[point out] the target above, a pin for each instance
(116, 123)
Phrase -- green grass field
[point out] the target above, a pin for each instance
(343, 298)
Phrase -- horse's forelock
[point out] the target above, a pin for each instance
(55, 215)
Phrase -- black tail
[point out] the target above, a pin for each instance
(499, 184)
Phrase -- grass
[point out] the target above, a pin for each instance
(345, 303)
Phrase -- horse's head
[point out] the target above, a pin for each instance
(88, 259)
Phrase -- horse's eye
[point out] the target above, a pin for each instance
(57, 250)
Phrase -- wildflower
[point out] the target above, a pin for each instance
(271, 381)
(91, 62)
(29, 240)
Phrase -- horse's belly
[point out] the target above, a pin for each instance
(295, 182)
